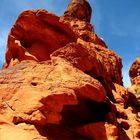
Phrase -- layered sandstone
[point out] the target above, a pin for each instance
(60, 81)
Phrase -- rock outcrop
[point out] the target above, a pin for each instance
(34, 36)
(134, 72)
(134, 90)
(60, 81)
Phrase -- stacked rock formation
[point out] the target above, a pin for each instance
(134, 90)
(61, 82)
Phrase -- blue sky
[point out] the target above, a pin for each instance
(116, 21)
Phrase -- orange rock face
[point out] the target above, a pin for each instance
(61, 82)
(34, 36)
(134, 90)
(134, 72)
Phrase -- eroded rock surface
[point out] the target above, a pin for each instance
(134, 90)
(34, 36)
(62, 82)
(134, 72)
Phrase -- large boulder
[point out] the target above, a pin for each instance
(134, 72)
(42, 89)
(35, 35)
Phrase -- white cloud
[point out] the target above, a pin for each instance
(125, 27)
(3, 44)
(126, 78)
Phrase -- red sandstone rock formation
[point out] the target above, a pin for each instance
(135, 72)
(34, 36)
(134, 90)
(61, 82)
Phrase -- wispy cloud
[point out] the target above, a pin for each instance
(3, 44)
(125, 73)
(128, 26)
(118, 30)
(126, 79)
